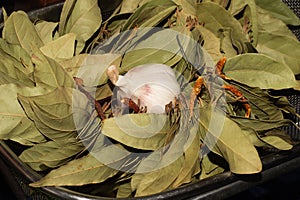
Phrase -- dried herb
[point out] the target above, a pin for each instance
(207, 129)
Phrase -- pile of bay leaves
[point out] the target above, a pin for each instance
(43, 109)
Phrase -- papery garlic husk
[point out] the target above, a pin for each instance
(153, 85)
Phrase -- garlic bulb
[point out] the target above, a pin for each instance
(152, 85)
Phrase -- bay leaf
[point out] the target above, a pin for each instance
(159, 170)
(249, 22)
(263, 105)
(65, 15)
(278, 139)
(82, 17)
(48, 73)
(124, 191)
(279, 10)
(262, 71)
(86, 170)
(73, 64)
(61, 48)
(10, 72)
(145, 56)
(129, 6)
(20, 57)
(209, 168)
(59, 113)
(141, 131)
(103, 92)
(50, 154)
(92, 68)
(188, 7)
(150, 14)
(14, 124)
(218, 18)
(266, 23)
(159, 180)
(159, 48)
(4, 13)
(46, 30)
(284, 49)
(191, 156)
(246, 13)
(236, 7)
(212, 44)
(260, 124)
(238, 151)
(20, 30)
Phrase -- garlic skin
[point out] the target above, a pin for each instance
(154, 85)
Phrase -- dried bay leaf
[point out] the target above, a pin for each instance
(14, 124)
(141, 131)
(61, 48)
(15, 65)
(229, 142)
(216, 18)
(50, 154)
(188, 7)
(260, 124)
(46, 30)
(278, 139)
(129, 6)
(212, 44)
(10, 73)
(158, 181)
(92, 68)
(73, 64)
(124, 191)
(262, 103)
(82, 17)
(66, 12)
(48, 73)
(20, 30)
(58, 114)
(17, 53)
(261, 71)
(279, 10)
(209, 168)
(266, 23)
(191, 158)
(150, 14)
(284, 49)
(145, 56)
(96, 167)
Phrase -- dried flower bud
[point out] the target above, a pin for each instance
(153, 85)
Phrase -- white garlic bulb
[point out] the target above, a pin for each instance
(153, 85)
